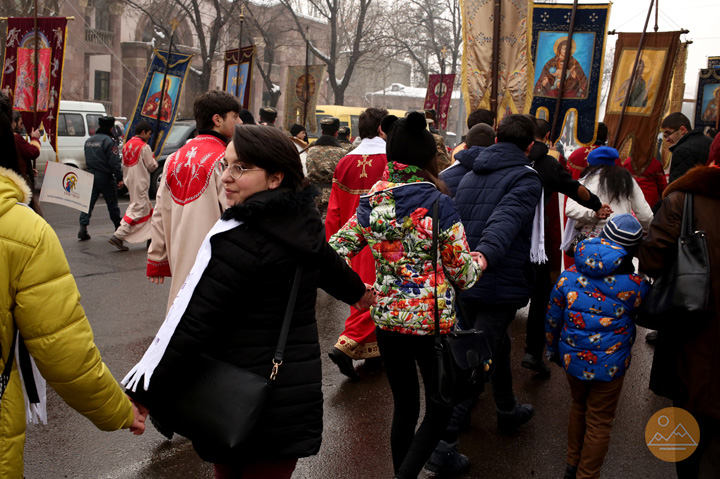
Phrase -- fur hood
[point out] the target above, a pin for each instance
(702, 180)
(13, 190)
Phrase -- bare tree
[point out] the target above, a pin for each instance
(207, 19)
(350, 35)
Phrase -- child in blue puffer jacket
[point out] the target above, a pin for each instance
(590, 331)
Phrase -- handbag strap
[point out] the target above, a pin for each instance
(687, 225)
(277, 360)
(435, 228)
(8, 365)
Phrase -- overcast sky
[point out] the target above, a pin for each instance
(701, 17)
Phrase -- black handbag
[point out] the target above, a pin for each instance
(461, 357)
(218, 408)
(685, 287)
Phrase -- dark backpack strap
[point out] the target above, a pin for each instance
(687, 224)
(27, 373)
(5, 378)
(277, 360)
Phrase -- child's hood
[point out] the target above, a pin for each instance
(598, 257)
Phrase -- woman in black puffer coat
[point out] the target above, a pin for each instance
(237, 308)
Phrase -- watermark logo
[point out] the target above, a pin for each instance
(672, 434)
(69, 182)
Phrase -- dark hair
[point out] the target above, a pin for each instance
(481, 115)
(329, 129)
(268, 148)
(675, 121)
(142, 127)
(247, 117)
(295, 129)
(602, 134)
(518, 130)
(209, 104)
(543, 128)
(370, 120)
(481, 134)
(9, 159)
(615, 181)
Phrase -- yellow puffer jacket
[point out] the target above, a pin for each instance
(39, 294)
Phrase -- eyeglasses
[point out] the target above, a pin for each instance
(667, 135)
(236, 169)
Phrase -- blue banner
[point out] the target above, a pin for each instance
(548, 31)
(236, 82)
(159, 96)
(708, 97)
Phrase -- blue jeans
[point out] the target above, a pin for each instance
(107, 187)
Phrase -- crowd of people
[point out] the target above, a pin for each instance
(397, 227)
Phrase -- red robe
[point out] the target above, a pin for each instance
(578, 160)
(651, 180)
(354, 175)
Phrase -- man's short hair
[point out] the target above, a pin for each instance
(481, 115)
(675, 121)
(142, 127)
(213, 102)
(518, 130)
(543, 128)
(370, 120)
(481, 134)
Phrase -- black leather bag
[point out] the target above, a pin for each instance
(685, 287)
(218, 408)
(461, 357)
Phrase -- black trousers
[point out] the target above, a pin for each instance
(539, 299)
(402, 355)
(103, 185)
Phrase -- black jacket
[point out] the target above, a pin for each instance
(102, 157)
(237, 309)
(691, 150)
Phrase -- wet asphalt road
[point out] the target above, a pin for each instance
(125, 311)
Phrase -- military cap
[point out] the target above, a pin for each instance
(268, 113)
(106, 121)
(330, 121)
(344, 130)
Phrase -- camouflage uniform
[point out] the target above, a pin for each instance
(322, 158)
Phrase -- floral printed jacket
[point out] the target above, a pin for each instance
(592, 303)
(395, 220)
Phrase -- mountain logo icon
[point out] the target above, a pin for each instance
(672, 434)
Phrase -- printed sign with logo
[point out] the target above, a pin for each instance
(68, 186)
(672, 434)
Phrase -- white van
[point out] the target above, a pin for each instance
(77, 121)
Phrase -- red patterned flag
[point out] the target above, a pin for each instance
(36, 97)
(438, 97)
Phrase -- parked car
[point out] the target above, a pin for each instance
(77, 121)
(180, 133)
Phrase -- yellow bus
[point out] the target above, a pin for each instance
(348, 116)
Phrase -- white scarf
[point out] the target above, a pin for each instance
(537, 241)
(156, 350)
(35, 413)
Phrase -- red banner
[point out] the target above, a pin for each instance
(28, 86)
(438, 97)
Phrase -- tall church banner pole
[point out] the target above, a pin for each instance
(306, 85)
(37, 63)
(237, 70)
(495, 59)
(173, 24)
(563, 72)
(631, 82)
(442, 84)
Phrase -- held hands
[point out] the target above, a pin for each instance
(368, 299)
(141, 413)
(479, 259)
(156, 279)
(604, 212)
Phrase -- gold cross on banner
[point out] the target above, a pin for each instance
(364, 162)
(174, 24)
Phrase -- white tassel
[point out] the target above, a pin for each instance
(156, 350)
(35, 413)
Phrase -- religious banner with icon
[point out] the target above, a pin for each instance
(237, 78)
(438, 97)
(157, 103)
(713, 62)
(477, 59)
(19, 81)
(548, 35)
(637, 136)
(708, 97)
(302, 90)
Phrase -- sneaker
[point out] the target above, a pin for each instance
(510, 421)
(83, 234)
(536, 364)
(651, 337)
(445, 459)
(570, 472)
(344, 363)
(118, 243)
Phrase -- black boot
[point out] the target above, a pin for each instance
(83, 234)
(344, 363)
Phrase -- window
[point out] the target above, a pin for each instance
(70, 124)
(93, 121)
(102, 85)
(102, 15)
